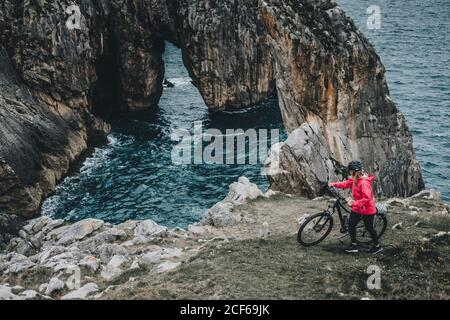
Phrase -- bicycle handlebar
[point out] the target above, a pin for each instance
(334, 193)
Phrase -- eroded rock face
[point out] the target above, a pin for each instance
(328, 78)
(334, 100)
(38, 142)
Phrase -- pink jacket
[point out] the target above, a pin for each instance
(362, 194)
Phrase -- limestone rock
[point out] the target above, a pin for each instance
(149, 228)
(17, 263)
(90, 262)
(221, 214)
(54, 285)
(82, 293)
(77, 231)
(158, 255)
(7, 294)
(113, 270)
(166, 267)
(107, 251)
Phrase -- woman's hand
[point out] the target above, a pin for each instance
(350, 202)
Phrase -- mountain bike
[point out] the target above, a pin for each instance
(317, 227)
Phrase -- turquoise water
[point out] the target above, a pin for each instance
(414, 45)
(134, 178)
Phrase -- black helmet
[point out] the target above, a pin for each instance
(355, 166)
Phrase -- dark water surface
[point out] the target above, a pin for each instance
(134, 178)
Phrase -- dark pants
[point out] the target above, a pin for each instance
(355, 218)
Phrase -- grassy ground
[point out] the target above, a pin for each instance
(278, 268)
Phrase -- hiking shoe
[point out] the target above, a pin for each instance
(375, 250)
(352, 249)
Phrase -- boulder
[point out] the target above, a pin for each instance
(82, 293)
(75, 232)
(17, 263)
(107, 251)
(221, 214)
(166, 267)
(113, 270)
(91, 263)
(54, 285)
(6, 293)
(149, 229)
(153, 257)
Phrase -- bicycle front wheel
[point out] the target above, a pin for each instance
(315, 229)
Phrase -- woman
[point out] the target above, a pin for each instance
(363, 205)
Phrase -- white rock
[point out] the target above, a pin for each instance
(23, 234)
(242, 191)
(107, 251)
(64, 261)
(397, 201)
(155, 256)
(166, 267)
(51, 225)
(270, 193)
(18, 263)
(398, 226)
(90, 262)
(221, 215)
(93, 244)
(39, 223)
(442, 234)
(149, 228)
(81, 293)
(135, 265)
(43, 287)
(50, 251)
(112, 271)
(195, 230)
(54, 285)
(6, 293)
(74, 232)
(128, 226)
(264, 231)
(428, 194)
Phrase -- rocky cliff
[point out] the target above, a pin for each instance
(328, 78)
(335, 102)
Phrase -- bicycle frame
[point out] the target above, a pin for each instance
(339, 207)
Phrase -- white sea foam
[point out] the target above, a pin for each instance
(181, 82)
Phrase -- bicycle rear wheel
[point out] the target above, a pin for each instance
(315, 229)
(379, 224)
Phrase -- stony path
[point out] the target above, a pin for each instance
(91, 259)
